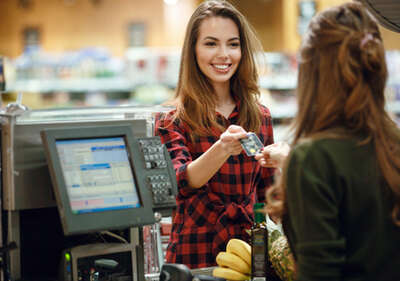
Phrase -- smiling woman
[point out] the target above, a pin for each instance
(216, 105)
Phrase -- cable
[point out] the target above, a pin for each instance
(115, 236)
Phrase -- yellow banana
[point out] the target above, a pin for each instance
(229, 274)
(240, 248)
(232, 261)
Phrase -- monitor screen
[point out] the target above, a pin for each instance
(98, 175)
(97, 178)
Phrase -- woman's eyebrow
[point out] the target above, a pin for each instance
(210, 38)
(216, 39)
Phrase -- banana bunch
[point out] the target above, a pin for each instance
(235, 263)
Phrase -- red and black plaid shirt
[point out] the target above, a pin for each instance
(207, 217)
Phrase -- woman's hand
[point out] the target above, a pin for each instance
(200, 171)
(230, 139)
(273, 155)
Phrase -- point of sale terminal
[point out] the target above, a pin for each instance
(78, 194)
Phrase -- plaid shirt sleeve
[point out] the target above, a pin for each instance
(172, 134)
(266, 176)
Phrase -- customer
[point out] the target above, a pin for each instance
(216, 104)
(341, 183)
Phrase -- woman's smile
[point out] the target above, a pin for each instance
(222, 68)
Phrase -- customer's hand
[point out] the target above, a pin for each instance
(273, 155)
(230, 139)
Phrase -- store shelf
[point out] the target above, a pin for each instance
(71, 85)
(119, 84)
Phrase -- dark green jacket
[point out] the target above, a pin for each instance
(339, 214)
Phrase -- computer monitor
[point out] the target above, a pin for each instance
(95, 172)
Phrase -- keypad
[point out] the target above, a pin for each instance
(153, 152)
(161, 188)
(158, 178)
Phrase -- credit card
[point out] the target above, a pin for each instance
(252, 144)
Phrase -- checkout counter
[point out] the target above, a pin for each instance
(45, 233)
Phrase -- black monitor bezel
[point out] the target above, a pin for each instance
(96, 221)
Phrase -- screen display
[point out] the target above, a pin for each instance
(97, 174)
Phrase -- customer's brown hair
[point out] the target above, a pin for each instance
(341, 81)
(195, 98)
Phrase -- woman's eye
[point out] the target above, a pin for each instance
(235, 44)
(210, 43)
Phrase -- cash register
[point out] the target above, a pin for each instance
(105, 179)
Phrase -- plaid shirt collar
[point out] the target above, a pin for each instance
(234, 113)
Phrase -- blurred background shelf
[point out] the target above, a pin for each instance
(114, 84)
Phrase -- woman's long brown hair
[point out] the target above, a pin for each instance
(341, 82)
(195, 98)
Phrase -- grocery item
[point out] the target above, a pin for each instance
(235, 263)
(281, 256)
(225, 259)
(240, 248)
(259, 245)
(229, 274)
